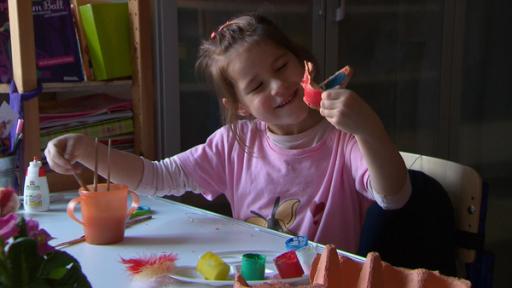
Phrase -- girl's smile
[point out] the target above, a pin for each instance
(292, 97)
(266, 78)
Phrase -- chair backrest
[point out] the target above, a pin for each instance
(464, 187)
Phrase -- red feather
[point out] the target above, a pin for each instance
(151, 265)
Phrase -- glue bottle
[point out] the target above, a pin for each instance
(36, 196)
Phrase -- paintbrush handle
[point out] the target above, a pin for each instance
(78, 179)
(80, 239)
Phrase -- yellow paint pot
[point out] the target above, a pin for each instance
(212, 267)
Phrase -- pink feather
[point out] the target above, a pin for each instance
(151, 266)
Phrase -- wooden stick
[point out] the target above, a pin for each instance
(108, 163)
(95, 164)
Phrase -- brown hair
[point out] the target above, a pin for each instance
(245, 29)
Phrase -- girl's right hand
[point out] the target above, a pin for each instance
(346, 111)
(62, 152)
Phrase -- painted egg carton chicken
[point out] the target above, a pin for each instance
(313, 92)
(331, 270)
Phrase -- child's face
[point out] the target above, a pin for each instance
(267, 82)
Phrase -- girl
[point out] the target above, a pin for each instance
(280, 163)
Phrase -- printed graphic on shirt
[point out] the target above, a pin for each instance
(283, 216)
(317, 211)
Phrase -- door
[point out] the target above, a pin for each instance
(407, 58)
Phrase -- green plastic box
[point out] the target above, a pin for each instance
(107, 30)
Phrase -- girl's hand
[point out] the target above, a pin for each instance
(348, 112)
(63, 151)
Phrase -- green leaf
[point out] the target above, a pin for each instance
(23, 261)
(22, 225)
(63, 270)
(54, 266)
(57, 273)
(5, 272)
(25, 268)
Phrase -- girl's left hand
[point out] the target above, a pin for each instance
(348, 112)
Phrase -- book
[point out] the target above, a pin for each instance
(107, 30)
(98, 129)
(82, 41)
(83, 106)
(57, 53)
(5, 44)
(63, 123)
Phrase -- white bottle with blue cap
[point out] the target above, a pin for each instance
(36, 195)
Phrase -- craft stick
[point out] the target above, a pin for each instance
(80, 239)
(138, 220)
(95, 181)
(108, 163)
(70, 242)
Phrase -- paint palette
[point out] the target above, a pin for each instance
(234, 260)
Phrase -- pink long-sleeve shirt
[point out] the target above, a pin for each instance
(321, 191)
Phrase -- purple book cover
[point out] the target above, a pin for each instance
(5, 44)
(57, 54)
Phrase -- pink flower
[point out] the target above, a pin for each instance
(42, 239)
(8, 226)
(9, 202)
(40, 235)
(17, 236)
(32, 226)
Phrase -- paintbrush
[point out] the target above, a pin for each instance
(80, 239)
(95, 180)
(77, 178)
(108, 163)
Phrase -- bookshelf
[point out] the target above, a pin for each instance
(76, 86)
(141, 85)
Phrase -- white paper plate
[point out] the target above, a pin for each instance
(234, 260)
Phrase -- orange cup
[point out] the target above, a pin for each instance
(104, 213)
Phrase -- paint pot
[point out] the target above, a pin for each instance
(253, 266)
(288, 265)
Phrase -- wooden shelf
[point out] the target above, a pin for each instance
(76, 86)
(141, 85)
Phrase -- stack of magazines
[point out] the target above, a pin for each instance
(97, 115)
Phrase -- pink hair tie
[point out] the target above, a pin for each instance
(214, 33)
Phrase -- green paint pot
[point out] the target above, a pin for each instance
(253, 267)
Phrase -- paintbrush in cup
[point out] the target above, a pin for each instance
(108, 163)
(95, 183)
(78, 179)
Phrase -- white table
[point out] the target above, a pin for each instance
(177, 228)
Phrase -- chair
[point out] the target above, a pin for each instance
(468, 194)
